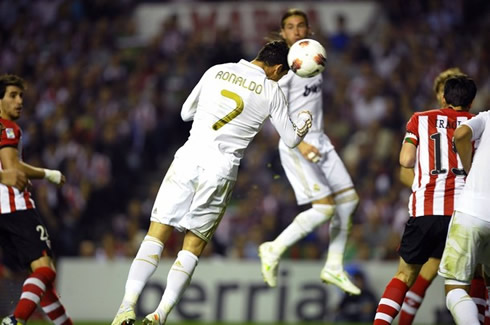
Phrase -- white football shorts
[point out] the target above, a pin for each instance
(467, 244)
(192, 199)
(314, 181)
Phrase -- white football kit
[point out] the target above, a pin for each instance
(311, 181)
(229, 105)
(468, 241)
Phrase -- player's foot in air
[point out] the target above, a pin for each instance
(341, 280)
(11, 320)
(124, 317)
(269, 260)
(153, 319)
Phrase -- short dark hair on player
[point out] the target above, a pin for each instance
(273, 53)
(10, 80)
(294, 12)
(459, 91)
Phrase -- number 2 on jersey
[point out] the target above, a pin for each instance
(436, 137)
(234, 113)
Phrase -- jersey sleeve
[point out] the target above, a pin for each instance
(10, 134)
(477, 124)
(279, 115)
(189, 107)
(411, 135)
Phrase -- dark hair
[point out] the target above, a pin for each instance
(10, 80)
(294, 12)
(459, 91)
(273, 53)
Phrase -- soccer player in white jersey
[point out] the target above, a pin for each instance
(229, 105)
(468, 239)
(437, 182)
(316, 173)
(23, 236)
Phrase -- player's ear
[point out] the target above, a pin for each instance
(278, 69)
(283, 35)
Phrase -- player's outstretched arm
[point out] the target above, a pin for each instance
(9, 159)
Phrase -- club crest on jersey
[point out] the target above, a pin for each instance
(10, 133)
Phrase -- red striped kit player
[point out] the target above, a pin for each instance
(23, 236)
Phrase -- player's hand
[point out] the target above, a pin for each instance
(304, 123)
(309, 152)
(15, 178)
(55, 177)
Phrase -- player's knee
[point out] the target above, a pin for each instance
(315, 216)
(46, 274)
(406, 277)
(348, 197)
(456, 296)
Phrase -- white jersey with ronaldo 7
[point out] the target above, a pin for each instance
(229, 106)
(475, 194)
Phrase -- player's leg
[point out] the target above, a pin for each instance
(462, 307)
(207, 208)
(171, 204)
(143, 266)
(414, 297)
(310, 186)
(346, 202)
(34, 287)
(465, 237)
(478, 292)
(178, 278)
(303, 224)
(53, 307)
(395, 291)
(486, 273)
(33, 249)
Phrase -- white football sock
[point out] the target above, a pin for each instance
(143, 266)
(178, 278)
(303, 224)
(462, 307)
(339, 228)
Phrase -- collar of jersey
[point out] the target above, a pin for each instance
(251, 65)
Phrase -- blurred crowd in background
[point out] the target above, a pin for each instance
(103, 107)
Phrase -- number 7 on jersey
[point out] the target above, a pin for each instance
(234, 113)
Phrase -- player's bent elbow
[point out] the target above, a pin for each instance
(462, 133)
(292, 143)
(407, 161)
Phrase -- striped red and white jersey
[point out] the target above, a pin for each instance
(439, 175)
(11, 199)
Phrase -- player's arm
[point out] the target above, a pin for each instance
(309, 151)
(464, 146)
(407, 163)
(292, 133)
(9, 158)
(189, 108)
(408, 152)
